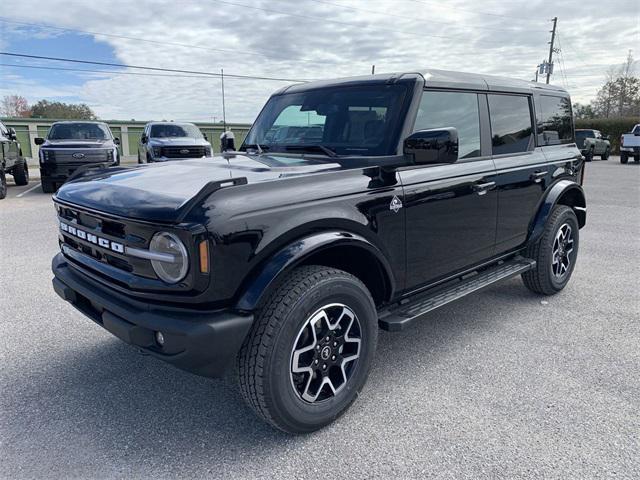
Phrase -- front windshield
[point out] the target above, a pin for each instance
(173, 130)
(582, 134)
(79, 131)
(359, 120)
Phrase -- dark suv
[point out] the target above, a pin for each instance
(72, 147)
(163, 141)
(11, 160)
(355, 204)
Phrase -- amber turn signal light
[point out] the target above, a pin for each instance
(203, 249)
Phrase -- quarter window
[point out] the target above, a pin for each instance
(452, 109)
(555, 120)
(511, 127)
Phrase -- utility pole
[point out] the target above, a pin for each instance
(373, 69)
(553, 39)
(224, 114)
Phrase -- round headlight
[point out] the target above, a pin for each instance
(175, 264)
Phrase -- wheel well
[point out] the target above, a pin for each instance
(358, 262)
(574, 198)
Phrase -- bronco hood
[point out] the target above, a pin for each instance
(161, 192)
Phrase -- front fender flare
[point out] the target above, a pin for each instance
(556, 193)
(295, 253)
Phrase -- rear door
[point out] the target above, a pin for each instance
(450, 209)
(522, 173)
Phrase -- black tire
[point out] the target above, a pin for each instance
(542, 278)
(624, 158)
(21, 173)
(265, 361)
(605, 155)
(139, 158)
(149, 159)
(589, 155)
(48, 187)
(3, 184)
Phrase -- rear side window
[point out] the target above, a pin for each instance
(555, 120)
(511, 125)
(452, 109)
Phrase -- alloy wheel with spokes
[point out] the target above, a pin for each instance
(325, 353)
(562, 251)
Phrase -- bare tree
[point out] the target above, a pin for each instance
(14, 106)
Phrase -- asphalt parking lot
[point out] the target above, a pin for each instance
(500, 384)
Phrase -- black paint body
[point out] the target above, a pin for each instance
(284, 210)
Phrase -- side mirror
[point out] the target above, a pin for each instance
(433, 146)
(116, 140)
(144, 139)
(12, 133)
(38, 140)
(205, 136)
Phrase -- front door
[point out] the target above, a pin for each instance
(451, 210)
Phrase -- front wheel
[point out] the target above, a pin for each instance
(605, 155)
(3, 184)
(624, 158)
(555, 253)
(21, 173)
(310, 349)
(589, 155)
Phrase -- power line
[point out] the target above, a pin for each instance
(338, 22)
(110, 72)
(477, 12)
(159, 69)
(439, 22)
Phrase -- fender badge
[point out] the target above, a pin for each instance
(395, 204)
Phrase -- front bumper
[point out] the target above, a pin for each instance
(200, 342)
(60, 172)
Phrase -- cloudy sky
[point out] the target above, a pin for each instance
(292, 39)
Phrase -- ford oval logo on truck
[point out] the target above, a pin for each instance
(78, 155)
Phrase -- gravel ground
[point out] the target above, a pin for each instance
(500, 384)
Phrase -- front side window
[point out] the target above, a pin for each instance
(175, 130)
(79, 131)
(452, 109)
(511, 127)
(555, 120)
(356, 120)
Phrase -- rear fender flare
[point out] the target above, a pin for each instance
(294, 254)
(564, 192)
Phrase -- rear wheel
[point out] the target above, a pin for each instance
(310, 349)
(21, 173)
(624, 158)
(555, 253)
(3, 184)
(605, 155)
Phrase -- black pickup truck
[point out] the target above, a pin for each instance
(72, 147)
(353, 204)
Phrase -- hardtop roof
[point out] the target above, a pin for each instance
(437, 79)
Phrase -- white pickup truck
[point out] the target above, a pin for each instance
(630, 145)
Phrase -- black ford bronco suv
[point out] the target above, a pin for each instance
(72, 147)
(353, 204)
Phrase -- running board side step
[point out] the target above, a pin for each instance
(404, 314)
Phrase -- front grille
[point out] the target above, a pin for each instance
(104, 239)
(81, 156)
(182, 152)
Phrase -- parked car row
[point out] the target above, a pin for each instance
(72, 147)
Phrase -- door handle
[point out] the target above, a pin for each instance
(538, 176)
(483, 188)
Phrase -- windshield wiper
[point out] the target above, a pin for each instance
(259, 148)
(326, 150)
